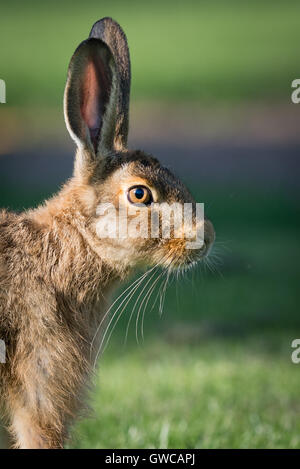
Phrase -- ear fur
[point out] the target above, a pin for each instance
(96, 101)
(88, 92)
(110, 32)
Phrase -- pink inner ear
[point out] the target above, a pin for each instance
(94, 96)
(90, 101)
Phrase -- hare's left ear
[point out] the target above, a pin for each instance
(96, 100)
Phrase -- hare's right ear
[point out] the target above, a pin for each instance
(96, 102)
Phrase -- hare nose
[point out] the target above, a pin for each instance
(209, 233)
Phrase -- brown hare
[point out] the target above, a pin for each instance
(56, 272)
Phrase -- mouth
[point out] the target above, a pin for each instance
(194, 258)
(182, 258)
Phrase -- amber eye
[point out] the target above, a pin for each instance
(139, 195)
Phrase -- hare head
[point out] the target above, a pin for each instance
(132, 183)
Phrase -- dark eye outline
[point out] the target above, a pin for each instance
(139, 186)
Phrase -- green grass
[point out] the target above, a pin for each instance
(211, 51)
(218, 394)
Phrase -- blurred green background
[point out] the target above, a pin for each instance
(211, 97)
(180, 50)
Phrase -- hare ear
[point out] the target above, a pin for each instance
(96, 101)
(111, 33)
(87, 95)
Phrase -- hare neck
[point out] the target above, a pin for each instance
(81, 278)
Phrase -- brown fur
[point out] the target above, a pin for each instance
(55, 272)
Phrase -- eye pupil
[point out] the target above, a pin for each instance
(139, 193)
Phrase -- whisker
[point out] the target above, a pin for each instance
(130, 295)
(162, 298)
(156, 298)
(132, 288)
(150, 292)
(110, 308)
(163, 259)
(135, 304)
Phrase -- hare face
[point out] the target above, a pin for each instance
(135, 200)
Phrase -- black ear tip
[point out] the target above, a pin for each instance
(105, 26)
